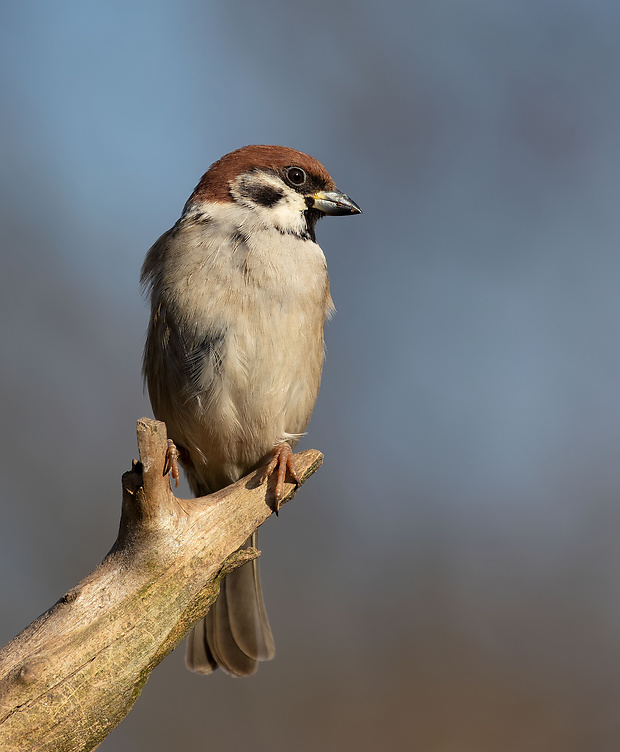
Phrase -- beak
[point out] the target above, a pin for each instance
(334, 203)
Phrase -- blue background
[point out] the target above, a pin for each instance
(450, 579)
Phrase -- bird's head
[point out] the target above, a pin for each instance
(283, 187)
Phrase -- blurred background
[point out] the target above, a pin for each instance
(450, 580)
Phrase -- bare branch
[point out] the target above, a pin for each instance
(71, 676)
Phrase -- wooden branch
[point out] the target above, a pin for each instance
(71, 676)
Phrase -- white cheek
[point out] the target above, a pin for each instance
(287, 215)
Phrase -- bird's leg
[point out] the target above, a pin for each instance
(172, 462)
(282, 459)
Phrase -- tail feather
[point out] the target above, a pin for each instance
(246, 613)
(235, 634)
(198, 656)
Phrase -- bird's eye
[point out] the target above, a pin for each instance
(296, 175)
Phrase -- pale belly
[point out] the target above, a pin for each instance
(261, 394)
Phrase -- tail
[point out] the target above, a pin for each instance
(235, 634)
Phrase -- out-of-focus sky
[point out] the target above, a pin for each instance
(450, 580)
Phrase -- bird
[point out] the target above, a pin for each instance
(239, 295)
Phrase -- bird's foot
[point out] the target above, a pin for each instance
(172, 462)
(282, 459)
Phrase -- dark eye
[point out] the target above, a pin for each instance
(296, 175)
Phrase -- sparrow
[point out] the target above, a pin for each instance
(239, 296)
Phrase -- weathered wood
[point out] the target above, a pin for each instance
(70, 677)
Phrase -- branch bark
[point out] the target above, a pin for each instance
(71, 676)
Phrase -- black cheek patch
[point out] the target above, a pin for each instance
(263, 195)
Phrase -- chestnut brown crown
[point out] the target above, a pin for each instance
(215, 183)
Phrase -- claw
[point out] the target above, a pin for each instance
(172, 462)
(282, 459)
